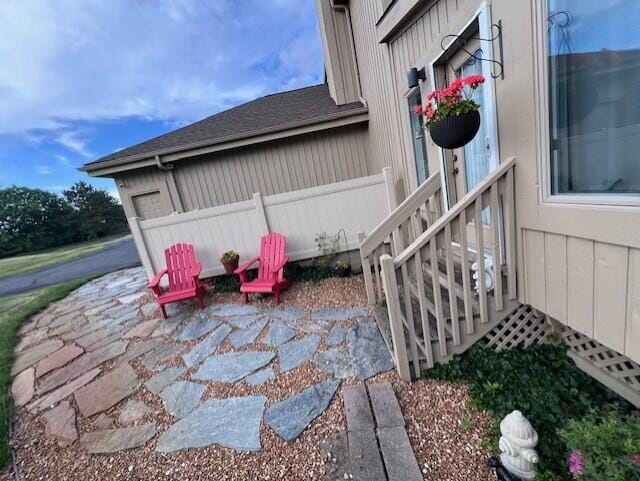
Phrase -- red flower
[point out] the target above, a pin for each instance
(473, 80)
(418, 109)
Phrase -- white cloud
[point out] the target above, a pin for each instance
(43, 169)
(63, 160)
(71, 61)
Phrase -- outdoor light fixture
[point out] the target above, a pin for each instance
(413, 75)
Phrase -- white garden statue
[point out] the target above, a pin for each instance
(517, 446)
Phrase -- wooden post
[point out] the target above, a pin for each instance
(260, 213)
(395, 317)
(141, 246)
(390, 183)
(366, 271)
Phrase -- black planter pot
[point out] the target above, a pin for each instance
(454, 132)
(341, 271)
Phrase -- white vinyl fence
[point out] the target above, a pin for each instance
(353, 205)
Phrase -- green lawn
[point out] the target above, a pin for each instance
(13, 312)
(23, 263)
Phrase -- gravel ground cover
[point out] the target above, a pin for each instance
(424, 404)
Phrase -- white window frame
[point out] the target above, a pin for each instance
(414, 170)
(543, 127)
(483, 15)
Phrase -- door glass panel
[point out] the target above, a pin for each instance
(417, 138)
(476, 153)
(594, 96)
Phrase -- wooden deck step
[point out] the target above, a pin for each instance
(377, 442)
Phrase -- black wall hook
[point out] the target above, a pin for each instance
(460, 42)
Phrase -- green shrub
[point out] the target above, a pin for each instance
(604, 448)
(540, 381)
(293, 272)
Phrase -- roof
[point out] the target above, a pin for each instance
(270, 113)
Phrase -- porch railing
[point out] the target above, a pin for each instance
(400, 228)
(419, 323)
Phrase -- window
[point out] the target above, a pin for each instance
(417, 138)
(594, 96)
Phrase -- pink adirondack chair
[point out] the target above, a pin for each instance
(183, 272)
(272, 260)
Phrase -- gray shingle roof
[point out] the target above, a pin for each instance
(273, 112)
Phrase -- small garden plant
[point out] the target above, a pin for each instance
(327, 248)
(570, 411)
(229, 256)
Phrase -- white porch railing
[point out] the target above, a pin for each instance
(403, 226)
(403, 276)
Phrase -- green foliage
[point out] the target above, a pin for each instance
(610, 445)
(229, 256)
(292, 271)
(97, 213)
(540, 381)
(14, 310)
(34, 219)
(327, 248)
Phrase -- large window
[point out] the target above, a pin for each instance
(594, 96)
(417, 138)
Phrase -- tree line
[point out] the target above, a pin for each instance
(34, 219)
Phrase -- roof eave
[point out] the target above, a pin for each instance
(173, 154)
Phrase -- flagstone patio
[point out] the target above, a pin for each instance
(102, 371)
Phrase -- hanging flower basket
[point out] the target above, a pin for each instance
(457, 131)
(451, 115)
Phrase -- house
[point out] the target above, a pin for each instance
(537, 219)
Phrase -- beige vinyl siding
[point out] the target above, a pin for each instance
(377, 87)
(275, 167)
(593, 287)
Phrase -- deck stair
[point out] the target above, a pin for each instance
(418, 271)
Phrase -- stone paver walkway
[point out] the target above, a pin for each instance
(375, 446)
(88, 355)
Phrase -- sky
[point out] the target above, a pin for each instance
(80, 79)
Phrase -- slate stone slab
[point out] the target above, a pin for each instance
(331, 314)
(206, 347)
(385, 406)
(161, 380)
(98, 335)
(182, 397)
(29, 357)
(357, 409)
(295, 353)
(232, 423)
(61, 393)
(226, 310)
(399, 460)
(232, 366)
(140, 348)
(364, 456)
(166, 327)
(335, 362)
(312, 326)
(246, 336)
(290, 417)
(260, 377)
(107, 391)
(287, 314)
(143, 329)
(279, 333)
(242, 322)
(61, 424)
(336, 335)
(132, 411)
(114, 440)
(369, 353)
(154, 359)
(81, 365)
(196, 329)
(23, 388)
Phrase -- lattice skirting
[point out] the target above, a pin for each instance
(614, 370)
(523, 328)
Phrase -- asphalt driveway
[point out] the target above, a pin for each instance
(117, 255)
